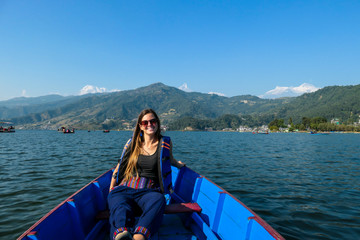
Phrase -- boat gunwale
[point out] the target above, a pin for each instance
(256, 217)
(31, 229)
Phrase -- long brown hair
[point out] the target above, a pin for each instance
(136, 143)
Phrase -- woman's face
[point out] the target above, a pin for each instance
(149, 124)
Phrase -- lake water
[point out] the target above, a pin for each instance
(305, 186)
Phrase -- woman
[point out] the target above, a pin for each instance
(137, 185)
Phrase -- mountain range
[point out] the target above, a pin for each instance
(120, 109)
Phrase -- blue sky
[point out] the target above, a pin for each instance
(262, 48)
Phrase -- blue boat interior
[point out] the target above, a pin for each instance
(222, 215)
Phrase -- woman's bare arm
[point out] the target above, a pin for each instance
(113, 178)
(173, 161)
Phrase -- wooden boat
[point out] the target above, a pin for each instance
(220, 216)
(66, 130)
(8, 129)
(257, 132)
(69, 131)
(319, 133)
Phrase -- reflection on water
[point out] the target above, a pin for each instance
(305, 186)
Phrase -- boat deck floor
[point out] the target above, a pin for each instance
(172, 228)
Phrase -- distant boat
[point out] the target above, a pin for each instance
(319, 133)
(69, 131)
(257, 132)
(106, 131)
(7, 129)
(66, 130)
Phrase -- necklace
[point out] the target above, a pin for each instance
(146, 151)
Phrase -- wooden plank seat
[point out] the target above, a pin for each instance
(169, 209)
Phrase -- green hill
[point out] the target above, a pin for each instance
(120, 109)
(22, 106)
(116, 110)
(342, 102)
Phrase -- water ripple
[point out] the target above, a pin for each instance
(304, 186)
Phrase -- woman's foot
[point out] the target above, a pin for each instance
(138, 237)
(125, 235)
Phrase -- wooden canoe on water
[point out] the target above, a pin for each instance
(221, 216)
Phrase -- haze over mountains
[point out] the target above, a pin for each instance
(119, 109)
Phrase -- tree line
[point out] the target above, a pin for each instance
(227, 121)
(316, 123)
(233, 122)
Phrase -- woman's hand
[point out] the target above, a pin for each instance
(113, 178)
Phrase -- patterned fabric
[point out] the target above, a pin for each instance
(119, 230)
(121, 158)
(139, 183)
(165, 166)
(165, 145)
(164, 163)
(142, 230)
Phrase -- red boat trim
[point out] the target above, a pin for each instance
(30, 230)
(31, 233)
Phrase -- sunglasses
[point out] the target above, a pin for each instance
(146, 122)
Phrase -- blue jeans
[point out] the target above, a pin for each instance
(126, 203)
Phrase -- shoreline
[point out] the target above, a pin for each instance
(130, 130)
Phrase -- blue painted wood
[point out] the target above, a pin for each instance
(222, 217)
(219, 211)
(76, 220)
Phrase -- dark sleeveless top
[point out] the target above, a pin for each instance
(147, 165)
